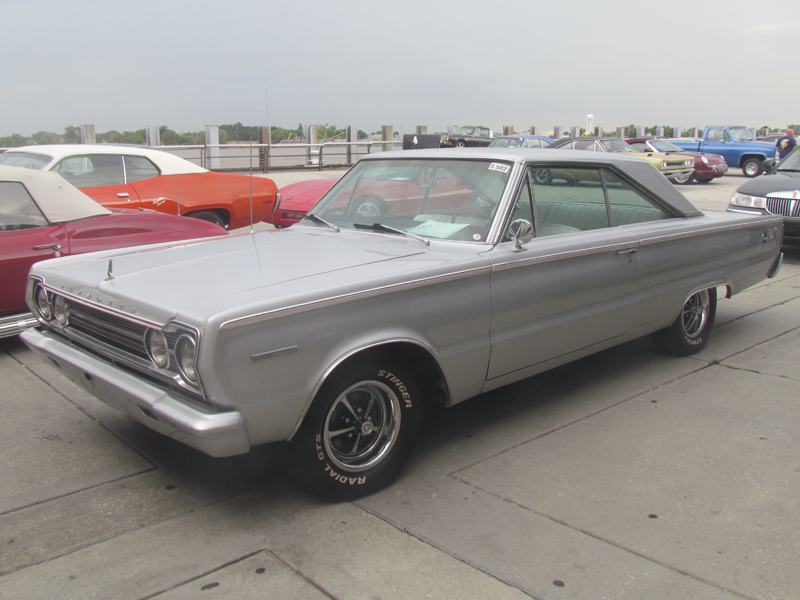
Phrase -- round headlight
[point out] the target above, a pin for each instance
(187, 354)
(60, 310)
(43, 304)
(704, 159)
(663, 164)
(157, 348)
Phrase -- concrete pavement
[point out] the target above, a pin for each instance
(625, 475)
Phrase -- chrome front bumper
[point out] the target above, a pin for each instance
(16, 324)
(216, 434)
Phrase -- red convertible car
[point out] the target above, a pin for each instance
(42, 216)
(134, 177)
(297, 199)
(706, 166)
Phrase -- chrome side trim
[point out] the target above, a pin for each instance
(344, 357)
(564, 255)
(271, 353)
(333, 301)
(689, 234)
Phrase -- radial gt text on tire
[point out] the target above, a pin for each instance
(751, 167)
(690, 331)
(360, 430)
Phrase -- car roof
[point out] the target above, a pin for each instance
(168, 164)
(637, 168)
(58, 199)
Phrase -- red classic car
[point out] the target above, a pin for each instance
(133, 177)
(297, 199)
(42, 216)
(706, 166)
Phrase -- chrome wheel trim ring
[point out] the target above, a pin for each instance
(695, 314)
(362, 426)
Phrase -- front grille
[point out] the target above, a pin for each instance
(108, 328)
(786, 207)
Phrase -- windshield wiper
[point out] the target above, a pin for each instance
(318, 219)
(382, 227)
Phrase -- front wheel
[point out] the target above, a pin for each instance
(751, 167)
(208, 215)
(461, 144)
(691, 330)
(684, 178)
(359, 432)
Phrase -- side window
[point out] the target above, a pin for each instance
(627, 205)
(639, 146)
(138, 168)
(568, 200)
(534, 143)
(17, 208)
(483, 132)
(716, 135)
(584, 145)
(567, 146)
(92, 170)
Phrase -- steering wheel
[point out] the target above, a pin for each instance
(468, 210)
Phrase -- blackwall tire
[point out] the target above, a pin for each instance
(751, 167)
(359, 432)
(684, 178)
(691, 330)
(208, 215)
(461, 144)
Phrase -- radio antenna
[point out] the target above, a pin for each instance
(251, 185)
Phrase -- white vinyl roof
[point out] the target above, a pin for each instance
(58, 199)
(167, 163)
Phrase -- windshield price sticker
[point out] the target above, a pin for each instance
(499, 167)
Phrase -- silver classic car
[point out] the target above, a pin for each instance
(467, 272)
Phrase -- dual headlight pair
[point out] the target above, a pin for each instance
(185, 352)
(747, 200)
(57, 309)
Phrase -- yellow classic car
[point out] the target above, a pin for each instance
(672, 166)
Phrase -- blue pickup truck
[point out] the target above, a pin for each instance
(735, 144)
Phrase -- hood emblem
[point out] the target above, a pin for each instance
(109, 274)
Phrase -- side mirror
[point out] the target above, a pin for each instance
(768, 165)
(521, 232)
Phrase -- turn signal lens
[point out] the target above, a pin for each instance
(60, 310)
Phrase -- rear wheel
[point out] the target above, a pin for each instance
(208, 215)
(461, 144)
(691, 330)
(359, 432)
(751, 167)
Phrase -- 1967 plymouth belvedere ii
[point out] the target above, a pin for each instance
(334, 335)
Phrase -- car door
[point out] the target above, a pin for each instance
(25, 238)
(719, 142)
(571, 288)
(101, 177)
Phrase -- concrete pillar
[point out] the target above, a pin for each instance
(152, 135)
(676, 131)
(312, 137)
(87, 134)
(386, 136)
(575, 131)
(620, 132)
(597, 131)
(558, 131)
(351, 135)
(660, 131)
(533, 130)
(508, 129)
(212, 147)
(264, 134)
(422, 129)
(640, 131)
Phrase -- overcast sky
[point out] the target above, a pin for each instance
(190, 63)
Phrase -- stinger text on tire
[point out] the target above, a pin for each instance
(360, 430)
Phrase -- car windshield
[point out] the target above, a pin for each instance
(507, 143)
(664, 146)
(444, 199)
(26, 160)
(616, 146)
(742, 134)
(791, 162)
(464, 131)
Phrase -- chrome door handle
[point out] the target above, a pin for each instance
(122, 194)
(46, 246)
(627, 251)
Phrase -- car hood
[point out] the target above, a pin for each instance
(769, 184)
(156, 282)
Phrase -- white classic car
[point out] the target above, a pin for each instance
(466, 273)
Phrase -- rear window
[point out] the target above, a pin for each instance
(26, 160)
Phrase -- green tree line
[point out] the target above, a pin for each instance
(227, 134)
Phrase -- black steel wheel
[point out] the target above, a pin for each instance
(691, 330)
(359, 432)
(751, 167)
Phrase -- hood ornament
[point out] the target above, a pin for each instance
(109, 274)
